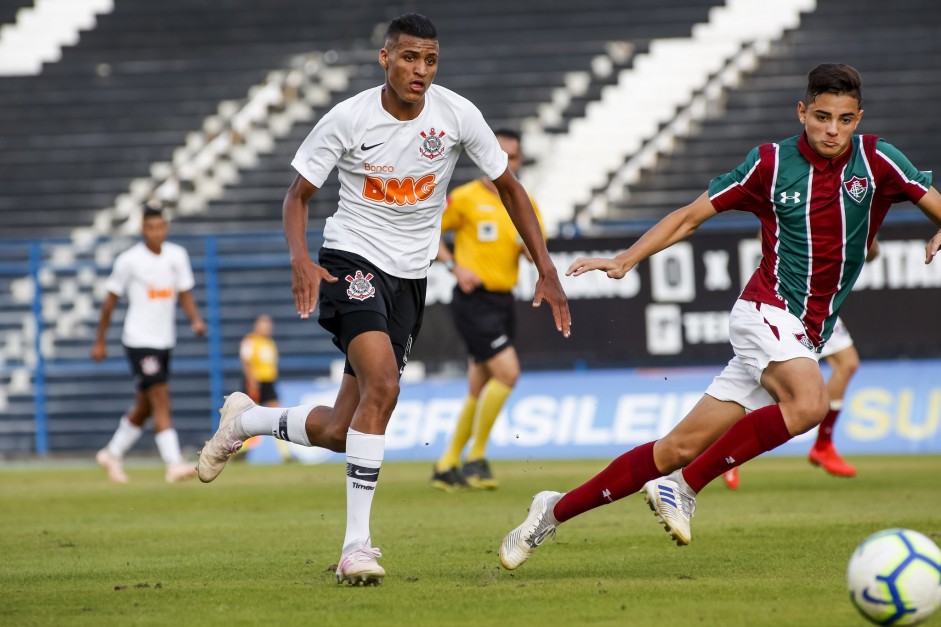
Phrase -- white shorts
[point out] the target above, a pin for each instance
(760, 334)
(839, 340)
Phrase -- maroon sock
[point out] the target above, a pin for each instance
(759, 431)
(825, 432)
(624, 476)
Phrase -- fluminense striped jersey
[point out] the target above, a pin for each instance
(818, 218)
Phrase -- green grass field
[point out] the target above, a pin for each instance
(256, 546)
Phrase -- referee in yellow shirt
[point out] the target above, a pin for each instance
(259, 355)
(485, 263)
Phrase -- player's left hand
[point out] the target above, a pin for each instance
(549, 289)
(199, 326)
(932, 247)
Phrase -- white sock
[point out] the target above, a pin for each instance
(168, 443)
(364, 453)
(283, 423)
(124, 437)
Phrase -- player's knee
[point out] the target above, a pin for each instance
(508, 379)
(382, 392)
(850, 366)
(806, 413)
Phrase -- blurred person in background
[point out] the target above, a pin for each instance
(843, 359)
(485, 264)
(395, 147)
(154, 274)
(259, 355)
(821, 197)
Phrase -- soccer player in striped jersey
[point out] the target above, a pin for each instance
(395, 147)
(820, 196)
(841, 355)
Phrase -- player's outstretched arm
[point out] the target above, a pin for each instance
(675, 227)
(305, 274)
(930, 205)
(548, 287)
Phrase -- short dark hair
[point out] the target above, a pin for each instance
(152, 212)
(509, 134)
(834, 78)
(414, 24)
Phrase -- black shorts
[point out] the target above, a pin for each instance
(486, 321)
(367, 299)
(266, 391)
(149, 365)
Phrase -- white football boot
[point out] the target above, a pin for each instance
(179, 472)
(112, 464)
(520, 543)
(673, 505)
(227, 439)
(359, 565)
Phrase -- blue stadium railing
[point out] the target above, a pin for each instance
(211, 256)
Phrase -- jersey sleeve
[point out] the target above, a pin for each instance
(321, 150)
(481, 144)
(896, 178)
(120, 275)
(742, 188)
(184, 274)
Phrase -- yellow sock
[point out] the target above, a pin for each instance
(489, 405)
(462, 433)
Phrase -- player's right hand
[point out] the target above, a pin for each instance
(305, 282)
(99, 351)
(611, 267)
(549, 289)
(467, 280)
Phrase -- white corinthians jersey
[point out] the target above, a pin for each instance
(394, 174)
(152, 283)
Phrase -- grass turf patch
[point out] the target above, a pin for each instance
(256, 547)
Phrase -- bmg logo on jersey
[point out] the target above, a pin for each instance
(392, 191)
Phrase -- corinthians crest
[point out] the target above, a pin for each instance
(431, 146)
(856, 187)
(360, 288)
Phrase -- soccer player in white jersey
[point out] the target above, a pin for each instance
(154, 274)
(395, 147)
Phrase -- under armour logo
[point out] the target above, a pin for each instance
(730, 460)
(607, 494)
(785, 197)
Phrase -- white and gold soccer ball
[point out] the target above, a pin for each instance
(895, 577)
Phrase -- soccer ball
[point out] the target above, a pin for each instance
(895, 577)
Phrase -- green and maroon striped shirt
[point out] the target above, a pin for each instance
(818, 218)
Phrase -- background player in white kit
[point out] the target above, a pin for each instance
(154, 274)
(395, 147)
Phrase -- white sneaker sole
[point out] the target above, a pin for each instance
(653, 504)
(361, 579)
